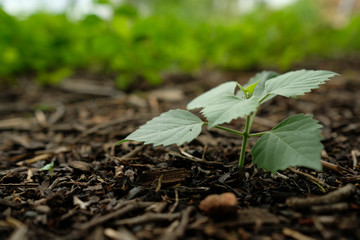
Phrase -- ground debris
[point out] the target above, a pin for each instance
(133, 191)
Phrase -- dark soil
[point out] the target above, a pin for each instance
(131, 191)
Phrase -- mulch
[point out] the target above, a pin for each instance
(133, 191)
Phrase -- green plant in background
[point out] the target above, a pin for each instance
(170, 36)
(293, 142)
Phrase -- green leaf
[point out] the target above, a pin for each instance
(260, 79)
(48, 167)
(297, 82)
(228, 108)
(172, 127)
(245, 92)
(211, 96)
(293, 142)
(251, 87)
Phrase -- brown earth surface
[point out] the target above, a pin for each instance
(135, 191)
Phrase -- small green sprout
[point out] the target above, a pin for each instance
(293, 142)
(48, 167)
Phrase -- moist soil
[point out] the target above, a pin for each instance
(97, 190)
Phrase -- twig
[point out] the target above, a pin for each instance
(148, 217)
(121, 234)
(131, 206)
(332, 167)
(56, 181)
(282, 176)
(331, 208)
(181, 228)
(203, 155)
(18, 124)
(14, 170)
(19, 233)
(159, 182)
(15, 185)
(11, 204)
(332, 197)
(35, 159)
(312, 178)
(58, 114)
(295, 234)
(354, 158)
(195, 159)
(85, 87)
(173, 207)
(109, 124)
(130, 154)
(41, 118)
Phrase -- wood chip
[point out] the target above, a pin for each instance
(81, 166)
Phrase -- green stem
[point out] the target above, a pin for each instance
(227, 129)
(253, 114)
(259, 134)
(230, 130)
(262, 99)
(244, 143)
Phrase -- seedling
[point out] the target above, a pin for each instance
(293, 142)
(48, 167)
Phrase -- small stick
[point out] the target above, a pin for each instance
(121, 234)
(354, 158)
(312, 178)
(332, 197)
(102, 219)
(19, 233)
(172, 209)
(130, 154)
(110, 123)
(58, 114)
(203, 155)
(282, 176)
(295, 234)
(181, 228)
(331, 208)
(159, 182)
(35, 159)
(332, 167)
(148, 217)
(195, 159)
(56, 181)
(41, 118)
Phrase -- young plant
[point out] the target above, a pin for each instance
(293, 142)
(48, 167)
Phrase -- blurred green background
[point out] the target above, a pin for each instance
(145, 39)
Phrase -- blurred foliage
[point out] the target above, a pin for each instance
(168, 36)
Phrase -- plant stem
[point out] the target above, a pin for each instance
(262, 99)
(230, 130)
(227, 129)
(259, 134)
(253, 114)
(244, 143)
